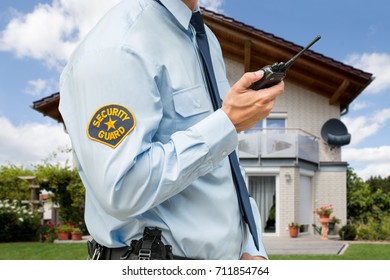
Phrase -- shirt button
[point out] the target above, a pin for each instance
(224, 154)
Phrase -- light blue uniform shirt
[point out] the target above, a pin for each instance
(168, 166)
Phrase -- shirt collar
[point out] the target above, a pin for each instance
(180, 11)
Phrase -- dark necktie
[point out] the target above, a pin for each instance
(242, 192)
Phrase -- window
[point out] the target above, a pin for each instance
(256, 128)
(275, 122)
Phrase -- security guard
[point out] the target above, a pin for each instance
(150, 149)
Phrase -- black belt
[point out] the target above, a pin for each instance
(149, 247)
(100, 252)
(119, 253)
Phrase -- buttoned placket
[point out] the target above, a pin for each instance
(242, 192)
(200, 64)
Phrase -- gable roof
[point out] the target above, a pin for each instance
(255, 48)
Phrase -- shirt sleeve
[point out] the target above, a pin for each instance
(140, 172)
(249, 246)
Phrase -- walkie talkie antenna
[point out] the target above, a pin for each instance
(276, 72)
(292, 60)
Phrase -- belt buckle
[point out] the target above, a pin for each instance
(97, 252)
(145, 254)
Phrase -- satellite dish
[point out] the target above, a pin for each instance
(335, 133)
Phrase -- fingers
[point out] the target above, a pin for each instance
(248, 79)
(246, 256)
(268, 95)
(243, 84)
(245, 107)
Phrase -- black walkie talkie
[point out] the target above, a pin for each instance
(276, 72)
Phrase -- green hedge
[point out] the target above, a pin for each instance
(17, 222)
(374, 229)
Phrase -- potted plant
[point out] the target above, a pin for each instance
(63, 232)
(324, 211)
(77, 234)
(47, 232)
(332, 224)
(293, 229)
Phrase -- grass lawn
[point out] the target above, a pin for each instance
(353, 252)
(78, 251)
(43, 251)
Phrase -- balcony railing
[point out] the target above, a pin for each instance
(279, 143)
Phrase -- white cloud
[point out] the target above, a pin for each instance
(366, 126)
(31, 143)
(369, 161)
(360, 105)
(376, 160)
(35, 87)
(51, 31)
(376, 63)
(41, 87)
(214, 5)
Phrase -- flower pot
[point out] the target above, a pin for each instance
(293, 231)
(77, 235)
(63, 235)
(332, 228)
(324, 216)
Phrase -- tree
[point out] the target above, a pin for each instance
(367, 199)
(11, 187)
(62, 183)
(377, 182)
(66, 188)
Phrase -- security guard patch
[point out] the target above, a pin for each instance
(111, 124)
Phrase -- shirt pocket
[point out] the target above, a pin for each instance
(191, 105)
(191, 101)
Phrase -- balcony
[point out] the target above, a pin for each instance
(279, 144)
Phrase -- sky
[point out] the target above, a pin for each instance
(37, 37)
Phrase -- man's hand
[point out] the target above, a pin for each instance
(245, 107)
(247, 256)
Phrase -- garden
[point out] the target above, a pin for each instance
(368, 207)
(20, 221)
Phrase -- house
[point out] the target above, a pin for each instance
(293, 158)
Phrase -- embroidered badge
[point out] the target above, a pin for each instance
(111, 124)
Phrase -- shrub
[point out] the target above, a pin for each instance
(17, 223)
(374, 229)
(8, 226)
(348, 232)
(64, 228)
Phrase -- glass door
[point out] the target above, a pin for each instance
(263, 190)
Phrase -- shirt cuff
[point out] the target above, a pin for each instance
(219, 134)
(251, 249)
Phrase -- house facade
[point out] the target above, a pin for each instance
(291, 166)
(290, 169)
